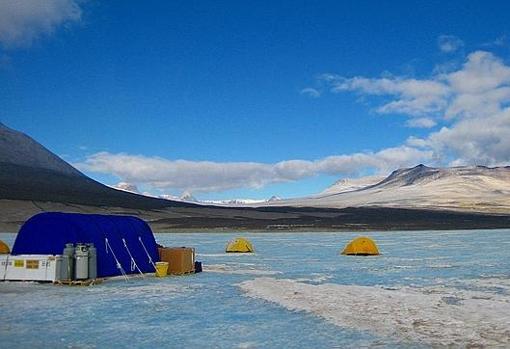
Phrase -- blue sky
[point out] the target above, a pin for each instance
(239, 90)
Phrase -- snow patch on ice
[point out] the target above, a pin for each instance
(441, 266)
(315, 278)
(438, 316)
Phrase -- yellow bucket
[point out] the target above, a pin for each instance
(161, 269)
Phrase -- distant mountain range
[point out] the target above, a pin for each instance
(188, 197)
(229, 202)
(33, 179)
(472, 189)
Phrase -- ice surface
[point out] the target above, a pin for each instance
(455, 282)
(237, 269)
(443, 318)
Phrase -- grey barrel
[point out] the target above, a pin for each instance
(68, 269)
(92, 262)
(81, 262)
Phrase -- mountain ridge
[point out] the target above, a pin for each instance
(20, 149)
(33, 180)
(461, 188)
(421, 172)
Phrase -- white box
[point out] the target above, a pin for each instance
(3, 265)
(32, 268)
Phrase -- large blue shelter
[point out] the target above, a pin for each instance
(115, 238)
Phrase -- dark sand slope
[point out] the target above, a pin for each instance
(33, 180)
(15, 212)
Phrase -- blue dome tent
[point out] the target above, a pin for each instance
(47, 233)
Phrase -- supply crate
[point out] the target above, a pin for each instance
(181, 260)
(34, 268)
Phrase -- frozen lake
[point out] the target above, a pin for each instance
(427, 289)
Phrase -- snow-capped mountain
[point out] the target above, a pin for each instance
(467, 188)
(350, 184)
(233, 202)
(188, 197)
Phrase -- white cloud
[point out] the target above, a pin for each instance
(481, 87)
(482, 72)
(475, 141)
(449, 43)
(23, 21)
(207, 176)
(470, 106)
(310, 92)
(194, 176)
(421, 123)
(472, 103)
(414, 97)
(129, 187)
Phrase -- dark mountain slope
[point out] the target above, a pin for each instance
(29, 171)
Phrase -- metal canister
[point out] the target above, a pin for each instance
(68, 268)
(92, 262)
(81, 262)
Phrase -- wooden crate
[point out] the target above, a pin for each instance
(181, 260)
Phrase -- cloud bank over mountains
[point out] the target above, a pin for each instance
(467, 111)
(208, 176)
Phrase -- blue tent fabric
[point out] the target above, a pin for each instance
(47, 233)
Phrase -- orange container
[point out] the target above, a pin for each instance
(181, 260)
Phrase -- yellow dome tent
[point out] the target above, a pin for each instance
(4, 249)
(239, 245)
(361, 246)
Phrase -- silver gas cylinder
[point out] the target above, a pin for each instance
(68, 264)
(81, 262)
(92, 262)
